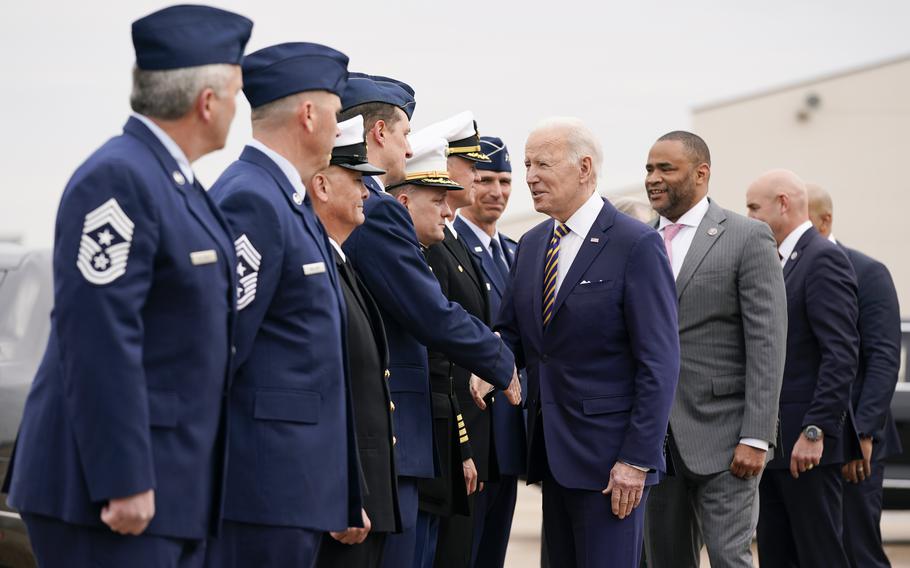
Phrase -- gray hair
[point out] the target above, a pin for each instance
(277, 111)
(579, 139)
(634, 208)
(170, 93)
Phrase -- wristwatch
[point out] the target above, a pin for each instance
(813, 433)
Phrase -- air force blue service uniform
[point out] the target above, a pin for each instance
(601, 376)
(879, 362)
(293, 467)
(495, 505)
(416, 315)
(800, 520)
(129, 395)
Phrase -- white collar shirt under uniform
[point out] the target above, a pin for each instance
(786, 247)
(579, 225)
(486, 240)
(683, 239)
(283, 164)
(450, 223)
(172, 148)
(337, 248)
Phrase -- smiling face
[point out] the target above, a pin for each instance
(554, 178)
(675, 182)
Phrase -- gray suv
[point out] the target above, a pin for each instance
(26, 298)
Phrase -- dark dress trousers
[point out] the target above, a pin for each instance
(461, 282)
(293, 468)
(368, 360)
(601, 379)
(800, 520)
(416, 315)
(879, 363)
(495, 505)
(129, 395)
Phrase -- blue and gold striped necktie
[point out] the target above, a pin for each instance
(550, 270)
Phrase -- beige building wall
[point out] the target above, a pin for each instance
(855, 142)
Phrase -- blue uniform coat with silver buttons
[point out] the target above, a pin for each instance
(129, 394)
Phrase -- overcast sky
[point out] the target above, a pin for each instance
(632, 70)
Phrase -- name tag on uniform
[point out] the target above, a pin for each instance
(201, 257)
(313, 268)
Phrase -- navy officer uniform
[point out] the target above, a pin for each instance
(494, 506)
(416, 315)
(368, 359)
(469, 431)
(876, 378)
(293, 468)
(129, 395)
(800, 520)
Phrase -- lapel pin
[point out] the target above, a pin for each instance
(460, 269)
(595, 240)
(794, 255)
(178, 177)
(712, 231)
(298, 199)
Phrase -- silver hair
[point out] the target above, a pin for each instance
(634, 208)
(580, 141)
(277, 111)
(170, 93)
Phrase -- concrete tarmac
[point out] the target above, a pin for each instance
(524, 545)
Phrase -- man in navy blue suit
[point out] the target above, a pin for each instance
(293, 470)
(416, 314)
(494, 505)
(879, 363)
(591, 314)
(800, 518)
(117, 462)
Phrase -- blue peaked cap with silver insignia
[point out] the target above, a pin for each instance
(189, 36)
(363, 89)
(496, 150)
(281, 70)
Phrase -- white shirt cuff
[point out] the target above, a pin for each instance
(755, 443)
(638, 467)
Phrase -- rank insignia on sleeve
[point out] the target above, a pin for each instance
(105, 245)
(248, 259)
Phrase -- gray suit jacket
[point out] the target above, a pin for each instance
(733, 339)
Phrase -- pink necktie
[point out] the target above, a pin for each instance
(670, 231)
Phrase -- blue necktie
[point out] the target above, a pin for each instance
(499, 260)
(549, 273)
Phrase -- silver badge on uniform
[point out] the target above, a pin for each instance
(105, 245)
(298, 199)
(178, 177)
(248, 261)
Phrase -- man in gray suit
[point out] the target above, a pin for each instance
(732, 334)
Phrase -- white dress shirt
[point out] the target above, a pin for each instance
(680, 246)
(683, 239)
(450, 223)
(172, 148)
(786, 247)
(283, 164)
(579, 225)
(486, 240)
(338, 250)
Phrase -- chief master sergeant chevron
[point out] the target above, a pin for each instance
(116, 461)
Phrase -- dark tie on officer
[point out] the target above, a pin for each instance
(117, 460)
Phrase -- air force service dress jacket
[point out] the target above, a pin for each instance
(292, 454)
(387, 255)
(129, 395)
